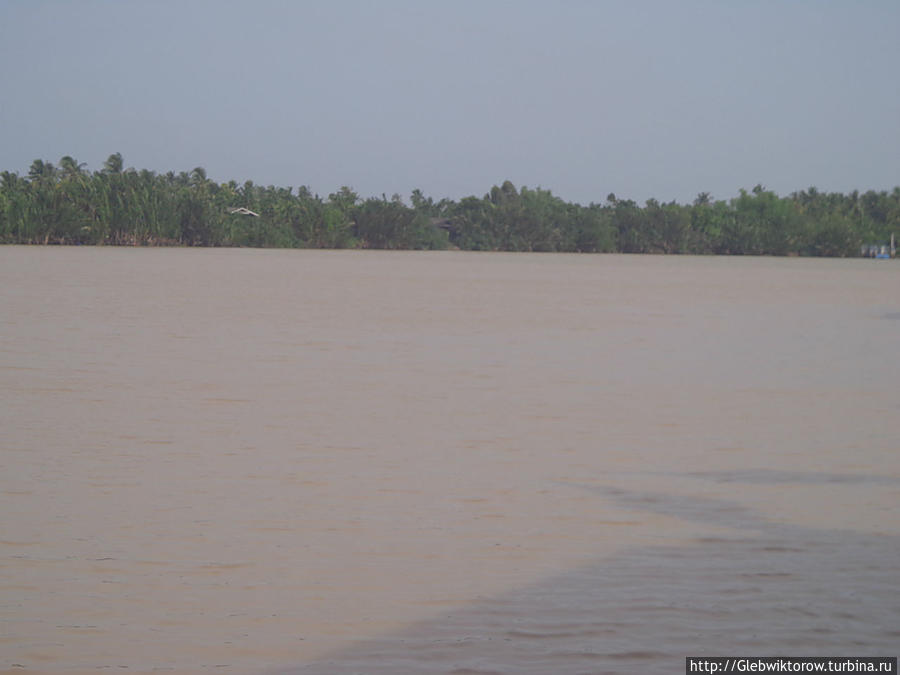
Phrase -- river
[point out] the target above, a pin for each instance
(278, 461)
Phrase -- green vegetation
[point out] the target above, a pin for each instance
(66, 204)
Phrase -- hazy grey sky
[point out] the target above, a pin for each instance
(659, 99)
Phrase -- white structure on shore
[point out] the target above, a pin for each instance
(240, 210)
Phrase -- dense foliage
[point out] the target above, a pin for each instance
(66, 204)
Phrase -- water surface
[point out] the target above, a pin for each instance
(296, 461)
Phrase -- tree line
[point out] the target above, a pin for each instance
(66, 204)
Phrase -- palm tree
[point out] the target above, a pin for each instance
(198, 176)
(41, 170)
(113, 163)
(70, 168)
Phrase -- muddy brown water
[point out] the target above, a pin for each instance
(245, 461)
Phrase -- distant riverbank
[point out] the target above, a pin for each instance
(66, 204)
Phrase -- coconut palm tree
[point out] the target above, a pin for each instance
(113, 163)
(71, 168)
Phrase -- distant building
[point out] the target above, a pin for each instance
(880, 250)
(242, 211)
(445, 224)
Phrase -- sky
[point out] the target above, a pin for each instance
(644, 99)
